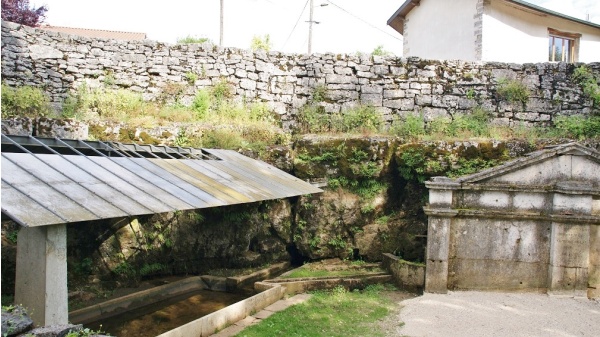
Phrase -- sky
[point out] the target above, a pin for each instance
(345, 26)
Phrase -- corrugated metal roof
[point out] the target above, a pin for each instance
(50, 181)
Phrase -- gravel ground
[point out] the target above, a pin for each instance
(483, 314)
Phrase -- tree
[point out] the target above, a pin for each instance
(19, 11)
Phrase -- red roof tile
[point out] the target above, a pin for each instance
(97, 33)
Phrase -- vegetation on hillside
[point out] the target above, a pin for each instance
(234, 123)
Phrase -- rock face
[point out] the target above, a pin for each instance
(15, 321)
(396, 87)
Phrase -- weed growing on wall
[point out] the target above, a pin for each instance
(411, 127)
(362, 120)
(589, 83)
(25, 101)
(575, 127)
(191, 77)
(513, 91)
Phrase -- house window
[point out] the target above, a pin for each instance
(562, 46)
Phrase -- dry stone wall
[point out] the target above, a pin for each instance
(396, 86)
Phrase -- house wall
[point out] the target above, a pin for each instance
(442, 30)
(512, 34)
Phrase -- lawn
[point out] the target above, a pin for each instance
(329, 313)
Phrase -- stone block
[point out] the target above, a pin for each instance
(371, 89)
(371, 99)
(22, 126)
(493, 199)
(438, 238)
(247, 84)
(44, 52)
(393, 93)
(523, 201)
(495, 275)
(500, 240)
(440, 198)
(436, 276)
(570, 204)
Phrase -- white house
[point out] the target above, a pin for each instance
(494, 30)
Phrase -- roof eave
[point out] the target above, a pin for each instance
(396, 21)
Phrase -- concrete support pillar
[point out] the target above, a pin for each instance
(438, 245)
(41, 277)
(570, 246)
(440, 214)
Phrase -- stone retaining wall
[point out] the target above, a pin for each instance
(61, 63)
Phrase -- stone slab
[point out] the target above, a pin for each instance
(246, 321)
(263, 314)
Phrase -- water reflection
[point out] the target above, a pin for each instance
(166, 315)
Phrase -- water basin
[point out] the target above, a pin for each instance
(160, 317)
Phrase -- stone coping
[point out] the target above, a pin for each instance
(513, 215)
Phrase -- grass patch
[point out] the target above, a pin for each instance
(334, 313)
(363, 119)
(307, 272)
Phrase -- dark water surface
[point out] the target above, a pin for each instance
(163, 316)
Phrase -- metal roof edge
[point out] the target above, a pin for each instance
(553, 13)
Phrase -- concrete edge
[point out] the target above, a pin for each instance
(136, 300)
(406, 275)
(351, 282)
(236, 282)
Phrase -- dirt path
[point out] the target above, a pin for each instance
(494, 314)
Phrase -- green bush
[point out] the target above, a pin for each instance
(201, 104)
(513, 91)
(261, 43)
(576, 127)
(25, 101)
(412, 127)
(476, 124)
(362, 119)
(223, 139)
(193, 39)
(589, 84)
(191, 77)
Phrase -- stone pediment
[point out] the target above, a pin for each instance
(571, 162)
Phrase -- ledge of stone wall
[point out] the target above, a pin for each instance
(407, 275)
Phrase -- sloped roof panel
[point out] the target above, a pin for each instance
(41, 189)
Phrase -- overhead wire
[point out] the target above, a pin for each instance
(296, 25)
(364, 21)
